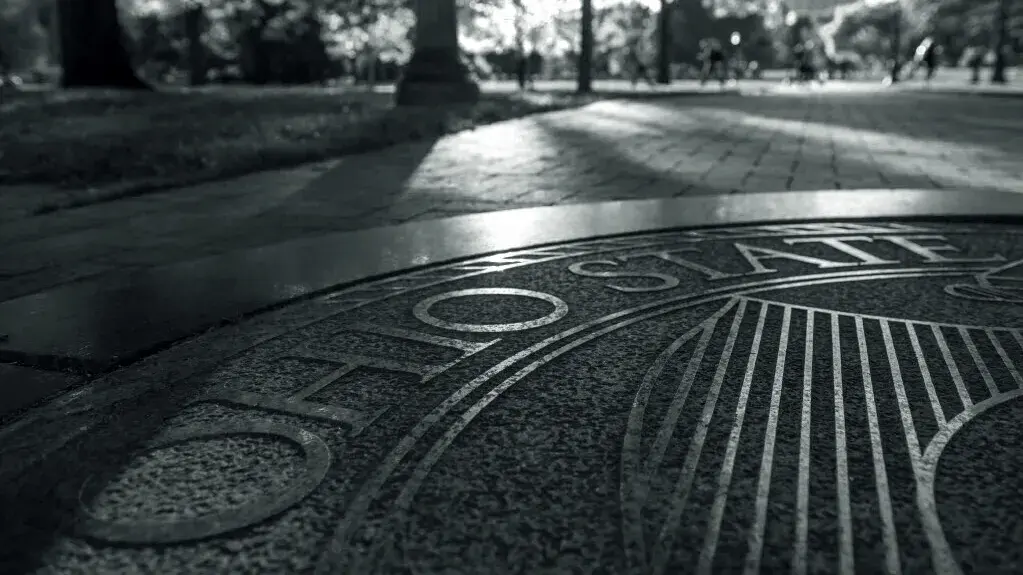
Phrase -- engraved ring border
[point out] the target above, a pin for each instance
(338, 549)
(316, 463)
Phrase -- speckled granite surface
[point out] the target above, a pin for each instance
(723, 401)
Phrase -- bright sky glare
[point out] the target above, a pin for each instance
(538, 13)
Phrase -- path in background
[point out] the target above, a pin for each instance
(793, 139)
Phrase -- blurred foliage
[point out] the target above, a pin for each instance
(962, 24)
(316, 41)
(694, 21)
(23, 34)
(957, 25)
(868, 31)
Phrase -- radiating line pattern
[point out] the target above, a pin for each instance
(941, 375)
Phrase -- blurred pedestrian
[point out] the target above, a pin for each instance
(5, 76)
(975, 60)
(930, 58)
(534, 68)
(798, 57)
(926, 57)
(713, 59)
(639, 69)
(806, 55)
(522, 71)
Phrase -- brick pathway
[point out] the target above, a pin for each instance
(852, 136)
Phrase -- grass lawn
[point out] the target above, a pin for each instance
(91, 146)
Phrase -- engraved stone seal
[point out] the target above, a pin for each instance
(803, 398)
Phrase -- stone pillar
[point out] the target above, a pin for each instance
(436, 74)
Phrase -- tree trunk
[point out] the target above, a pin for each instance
(48, 20)
(1001, 42)
(897, 47)
(371, 70)
(522, 65)
(196, 50)
(584, 83)
(92, 49)
(664, 50)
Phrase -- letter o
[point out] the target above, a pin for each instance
(147, 531)
(422, 311)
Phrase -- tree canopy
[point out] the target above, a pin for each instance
(301, 40)
(955, 24)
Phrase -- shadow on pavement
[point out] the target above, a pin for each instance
(163, 229)
(352, 192)
(49, 500)
(591, 142)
